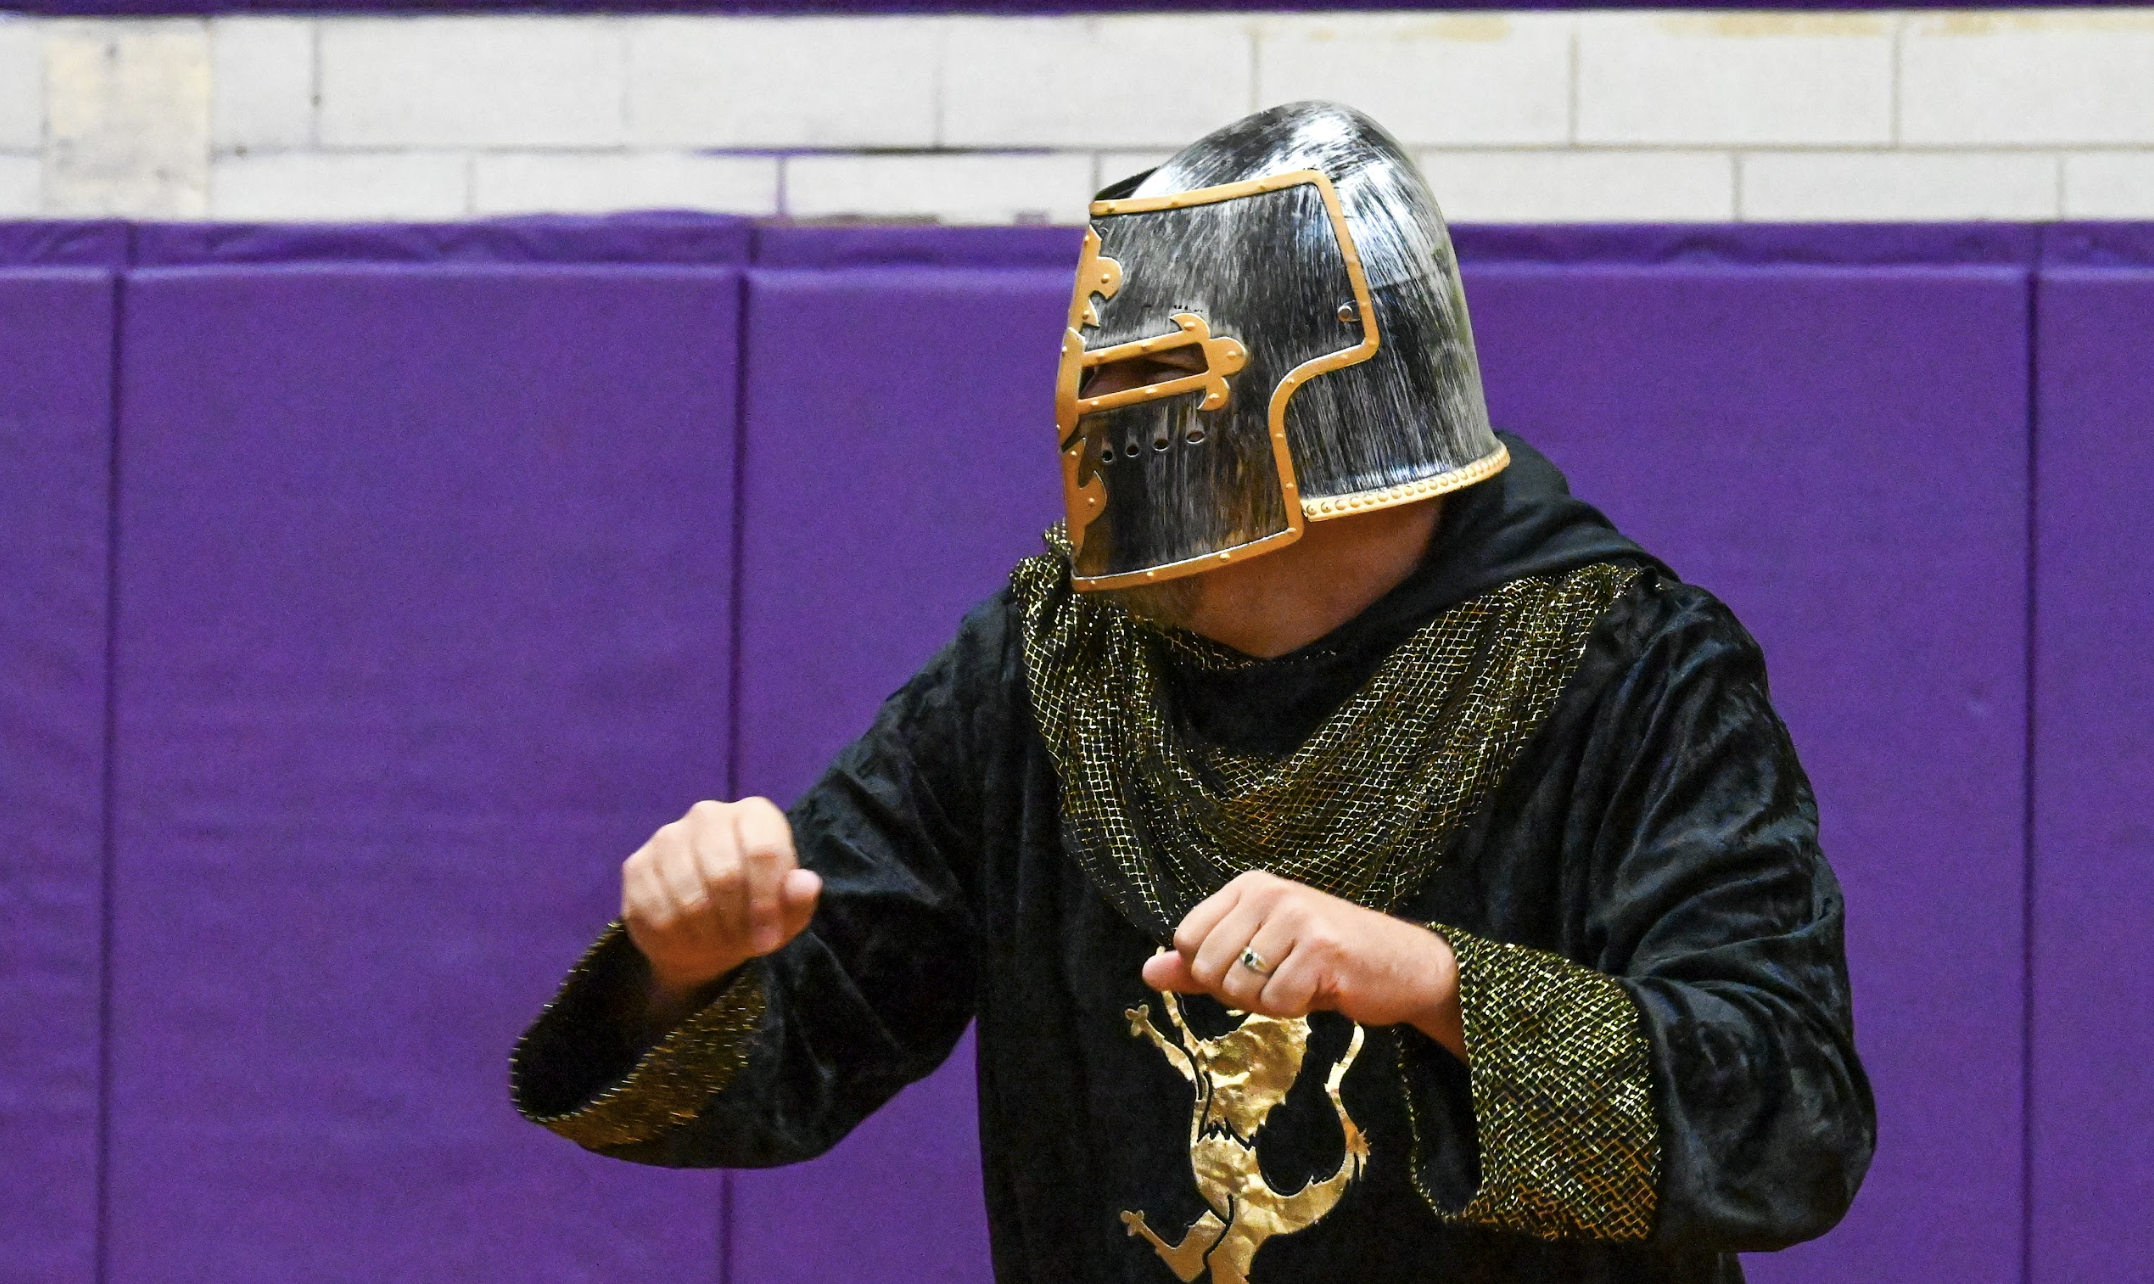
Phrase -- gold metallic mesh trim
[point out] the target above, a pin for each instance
(674, 1081)
(1359, 810)
(1562, 1097)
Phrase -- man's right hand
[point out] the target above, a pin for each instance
(710, 891)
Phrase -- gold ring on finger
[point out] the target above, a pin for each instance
(1255, 962)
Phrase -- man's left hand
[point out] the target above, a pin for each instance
(1312, 952)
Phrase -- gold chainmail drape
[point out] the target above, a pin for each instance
(1360, 810)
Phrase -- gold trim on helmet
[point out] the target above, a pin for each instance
(1102, 276)
(1413, 492)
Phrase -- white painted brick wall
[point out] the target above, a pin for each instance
(1735, 79)
(2101, 185)
(1678, 115)
(1976, 80)
(1113, 167)
(977, 188)
(127, 119)
(343, 186)
(472, 82)
(21, 186)
(1139, 81)
(1895, 186)
(784, 82)
(1558, 186)
(537, 182)
(1432, 79)
(263, 95)
(22, 86)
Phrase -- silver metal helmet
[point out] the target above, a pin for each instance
(1288, 288)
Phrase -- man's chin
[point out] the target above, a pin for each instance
(1171, 603)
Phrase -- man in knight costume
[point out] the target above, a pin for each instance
(1361, 861)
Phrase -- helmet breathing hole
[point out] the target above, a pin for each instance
(1194, 436)
(1161, 442)
(1106, 454)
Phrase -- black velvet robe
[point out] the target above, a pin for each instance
(1656, 828)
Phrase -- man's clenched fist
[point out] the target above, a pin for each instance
(712, 890)
(1269, 945)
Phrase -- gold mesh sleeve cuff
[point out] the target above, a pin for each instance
(1562, 1096)
(673, 1082)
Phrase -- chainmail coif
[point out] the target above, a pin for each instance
(1361, 810)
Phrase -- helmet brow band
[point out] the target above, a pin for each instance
(1362, 501)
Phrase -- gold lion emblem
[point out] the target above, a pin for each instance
(1240, 1078)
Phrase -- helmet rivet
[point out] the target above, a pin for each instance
(1347, 313)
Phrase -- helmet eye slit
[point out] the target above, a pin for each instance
(1144, 370)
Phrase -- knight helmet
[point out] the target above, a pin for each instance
(1288, 289)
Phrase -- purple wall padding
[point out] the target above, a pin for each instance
(1753, 244)
(655, 237)
(424, 575)
(55, 486)
(892, 475)
(65, 243)
(2093, 1065)
(899, 458)
(1841, 455)
(803, 245)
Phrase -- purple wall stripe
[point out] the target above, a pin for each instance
(56, 329)
(897, 464)
(426, 597)
(1763, 244)
(58, 242)
(1839, 455)
(806, 245)
(1846, 244)
(684, 237)
(615, 238)
(2099, 244)
(2093, 957)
